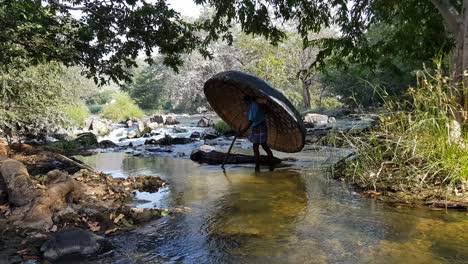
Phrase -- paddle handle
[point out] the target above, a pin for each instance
(229, 151)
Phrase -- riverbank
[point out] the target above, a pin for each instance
(43, 193)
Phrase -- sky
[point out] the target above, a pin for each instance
(185, 7)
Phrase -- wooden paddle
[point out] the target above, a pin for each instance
(229, 151)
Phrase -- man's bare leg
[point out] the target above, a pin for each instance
(270, 155)
(257, 156)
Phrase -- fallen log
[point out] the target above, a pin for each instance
(77, 164)
(215, 158)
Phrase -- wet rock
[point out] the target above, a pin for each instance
(177, 130)
(205, 122)
(99, 126)
(141, 127)
(215, 157)
(129, 123)
(210, 133)
(202, 110)
(86, 139)
(181, 141)
(141, 215)
(132, 134)
(74, 243)
(195, 135)
(18, 184)
(158, 150)
(149, 184)
(171, 120)
(169, 141)
(151, 125)
(151, 142)
(107, 144)
(160, 119)
(316, 119)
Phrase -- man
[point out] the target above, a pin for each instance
(258, 132)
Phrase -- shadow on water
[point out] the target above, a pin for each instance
(291, 215)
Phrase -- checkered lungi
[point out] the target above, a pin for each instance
(258, 133)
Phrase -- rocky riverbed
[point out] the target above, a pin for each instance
(58, 193)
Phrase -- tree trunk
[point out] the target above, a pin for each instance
(306, 93)
(463, 36)
(457, 23)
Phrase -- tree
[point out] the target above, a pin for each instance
(32, 100)
(419, 33)
(105, 39)
(147, 86)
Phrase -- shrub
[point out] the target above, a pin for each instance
(222, 127)
(413, 144)
(77, 113)
(95, 109)
(123, 108)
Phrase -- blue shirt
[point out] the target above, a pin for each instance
(256, 114)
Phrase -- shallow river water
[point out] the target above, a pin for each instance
(291, 215)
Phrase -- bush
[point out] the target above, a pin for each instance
(325, 103)
(95, 109)
(77, 113)
(123, 108)
(222, 127)
(413, 145)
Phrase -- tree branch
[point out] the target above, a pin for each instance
(57, 3)
(449, 13)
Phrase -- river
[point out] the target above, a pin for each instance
(295, 214)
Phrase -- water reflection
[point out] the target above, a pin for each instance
(286, 216)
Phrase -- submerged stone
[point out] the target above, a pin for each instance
(74, 243)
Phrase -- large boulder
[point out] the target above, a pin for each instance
(99, 126)
(86, 139)
(160, 119)
(151, 126)
(205, 122)
(75, 243)
(141, 127)
(202, 109)
(316, 119)
(171, 120)
(107, 144)
(210, 133)
(129, 123)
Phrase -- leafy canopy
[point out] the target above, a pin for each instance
(105, 40)
(107, 37)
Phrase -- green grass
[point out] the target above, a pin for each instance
(412, 144)
(222, 127)
(77, 113)
(123, 108)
